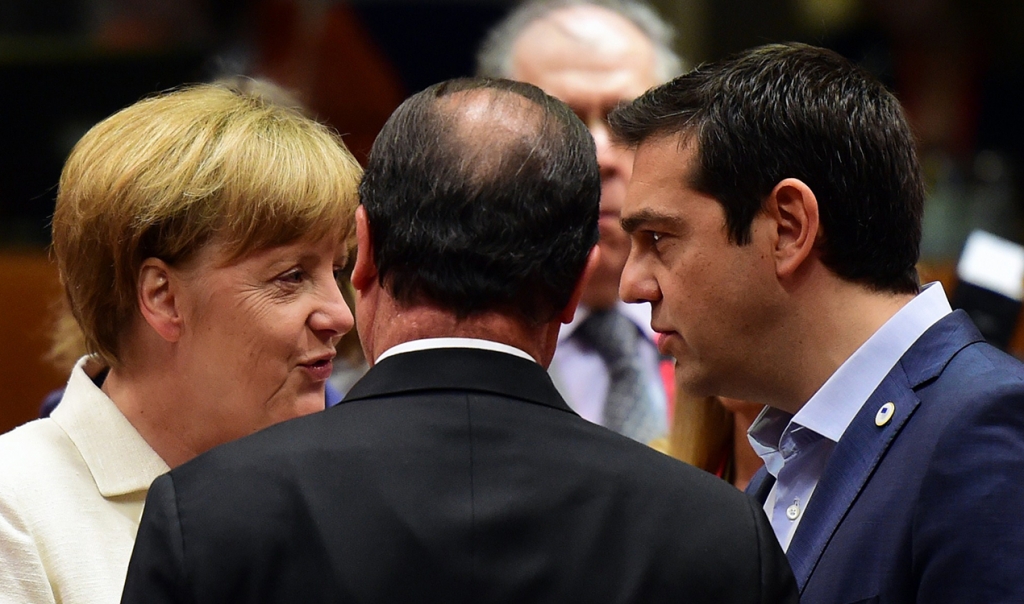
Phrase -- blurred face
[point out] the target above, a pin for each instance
(592, 59)
(711, 300)
(259, 333)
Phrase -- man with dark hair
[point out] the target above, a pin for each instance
(594, 54)
(453, 471)
(775, 217)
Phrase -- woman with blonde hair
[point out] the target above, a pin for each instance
(198, 235)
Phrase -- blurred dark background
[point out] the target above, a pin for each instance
(957, 66)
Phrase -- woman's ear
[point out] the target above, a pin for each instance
(794, 208)
(158, 302)
(364, 271)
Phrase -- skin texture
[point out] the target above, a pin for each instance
(708, 296)
(235, 346)
(592, 59)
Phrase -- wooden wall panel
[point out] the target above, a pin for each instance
(28, 289)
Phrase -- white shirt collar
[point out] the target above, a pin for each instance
(832, 408)
(433, 343)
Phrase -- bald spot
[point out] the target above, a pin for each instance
(491, 123)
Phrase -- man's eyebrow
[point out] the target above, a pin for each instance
(645, 217)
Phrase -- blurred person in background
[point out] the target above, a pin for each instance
(710, 432)
(198, 235)
(593, 55)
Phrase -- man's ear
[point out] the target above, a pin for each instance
(158, 302)
(794, 209)
(570, 309)
(364, 271)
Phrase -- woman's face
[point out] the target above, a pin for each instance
(259, 333)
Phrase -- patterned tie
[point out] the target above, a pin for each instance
(630, 407)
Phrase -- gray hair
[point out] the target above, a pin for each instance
(495, 56)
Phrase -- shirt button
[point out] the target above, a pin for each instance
(793, 511)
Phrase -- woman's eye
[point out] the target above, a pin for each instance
(293, 276)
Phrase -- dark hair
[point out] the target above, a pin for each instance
(793, 110)
(492, 213)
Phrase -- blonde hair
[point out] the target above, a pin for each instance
(701, 433)
(169, 174)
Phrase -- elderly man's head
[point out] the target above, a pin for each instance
(592, 55)
(481, 197)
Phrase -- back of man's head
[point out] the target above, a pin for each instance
(796, 111)
(482, 195)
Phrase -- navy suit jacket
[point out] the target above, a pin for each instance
(928, 507)
(455, 476)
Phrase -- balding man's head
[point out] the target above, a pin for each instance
(593, 55)
(482, 195)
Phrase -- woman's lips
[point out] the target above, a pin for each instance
(319, 370)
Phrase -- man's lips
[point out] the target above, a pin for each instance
(662, 340)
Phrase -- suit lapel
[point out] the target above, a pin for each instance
(855, 457)
(760, 485)
(864, 443)
(459, 369)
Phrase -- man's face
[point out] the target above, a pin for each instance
(713, 301)
(592, 59)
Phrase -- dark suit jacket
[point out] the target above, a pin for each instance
(452, 475)
(930, 506)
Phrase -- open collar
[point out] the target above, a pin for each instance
(864, 443)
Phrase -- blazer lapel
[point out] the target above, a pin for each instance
(760, 485)
(864, 443)
(855, 457)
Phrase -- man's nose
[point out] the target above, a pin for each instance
(637, 284)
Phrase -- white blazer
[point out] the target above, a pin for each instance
(72, 487)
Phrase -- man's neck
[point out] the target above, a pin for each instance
(831, 325)
(394, 326)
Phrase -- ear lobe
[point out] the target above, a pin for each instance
(364, 271)
(157, 301)
(570, 309)
(794, 209)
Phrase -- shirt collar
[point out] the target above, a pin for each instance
(832, 408)
(120, 460)
(434, 343)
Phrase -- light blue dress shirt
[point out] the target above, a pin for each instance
(795, 448)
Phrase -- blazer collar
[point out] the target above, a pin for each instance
(120, 460)
(459, 369)
(864, 443)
